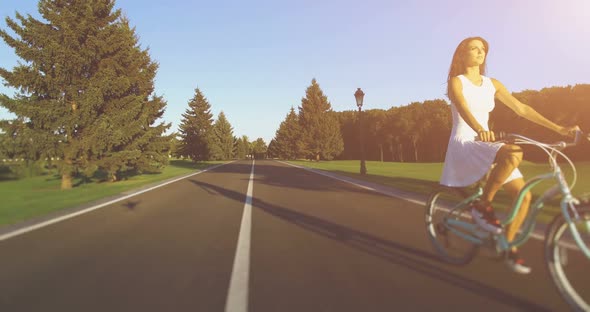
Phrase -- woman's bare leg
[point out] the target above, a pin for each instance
(507, 159)
(513, 188)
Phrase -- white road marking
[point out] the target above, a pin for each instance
(75, 214)
(237, 295)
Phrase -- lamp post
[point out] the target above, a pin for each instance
(359, 95)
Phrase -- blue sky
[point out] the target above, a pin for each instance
(254, 59)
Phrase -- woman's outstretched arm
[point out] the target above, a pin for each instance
(526, 111)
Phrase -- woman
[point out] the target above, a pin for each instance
(472, 152)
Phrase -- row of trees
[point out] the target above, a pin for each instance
(201, 138)
(85, 99)
(314, 133)
(419, 132)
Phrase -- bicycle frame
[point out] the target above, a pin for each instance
(450, 224)
(530, 219)
(566, 204)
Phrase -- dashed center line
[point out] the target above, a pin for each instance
(237, 296)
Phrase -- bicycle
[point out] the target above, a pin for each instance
(456, 237)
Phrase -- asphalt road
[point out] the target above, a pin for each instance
(316, 244)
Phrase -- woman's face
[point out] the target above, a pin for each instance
(476, 53)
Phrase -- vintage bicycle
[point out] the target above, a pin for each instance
(457, 239)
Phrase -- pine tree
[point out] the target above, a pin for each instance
(15, 140)
(153, 145)
(259, 149)
(223, 139)
(174, 143)
(287, 143)
(321, 130)
(85, 88)
(196, 129)
(242, 147)
(272, 151)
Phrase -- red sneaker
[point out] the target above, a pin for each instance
(484, 216)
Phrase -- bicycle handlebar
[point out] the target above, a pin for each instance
(511, 137)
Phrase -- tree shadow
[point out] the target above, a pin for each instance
(189, 164)
(394, 252)
(502, 202)
(273, 175)
(401, 183)
(131, 205)
(8, 177)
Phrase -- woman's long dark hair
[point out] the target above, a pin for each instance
(458, 62)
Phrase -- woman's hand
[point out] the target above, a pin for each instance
(569, 131)
(486, 136)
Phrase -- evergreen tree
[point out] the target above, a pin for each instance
(5, 146)
(14, 140)
(259, 149)
(287, 142)
(196, 129)
(174, 144)
(242, 147)
(223, 139)
(85, 88)
(154, 147)
(17, 144)
(321, 130)
(272, 151)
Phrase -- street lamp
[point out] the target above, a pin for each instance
(359, 95)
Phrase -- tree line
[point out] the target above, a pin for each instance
(313, 132)
(419, 131)
(200, 138)
(85, 100)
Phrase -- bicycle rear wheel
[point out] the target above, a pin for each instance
(450, 247)
(567, 264)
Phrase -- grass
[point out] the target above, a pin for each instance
(32, 197)
(422, 178)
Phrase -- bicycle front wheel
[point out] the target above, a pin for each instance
(567, 264)
(450, 246)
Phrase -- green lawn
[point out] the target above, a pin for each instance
(31, 197)
(423, 177)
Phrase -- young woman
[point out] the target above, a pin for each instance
(472, 151)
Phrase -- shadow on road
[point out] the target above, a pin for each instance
(396, 253)
(131, 205)
(273, 175)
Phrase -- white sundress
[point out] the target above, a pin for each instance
(468, 160)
